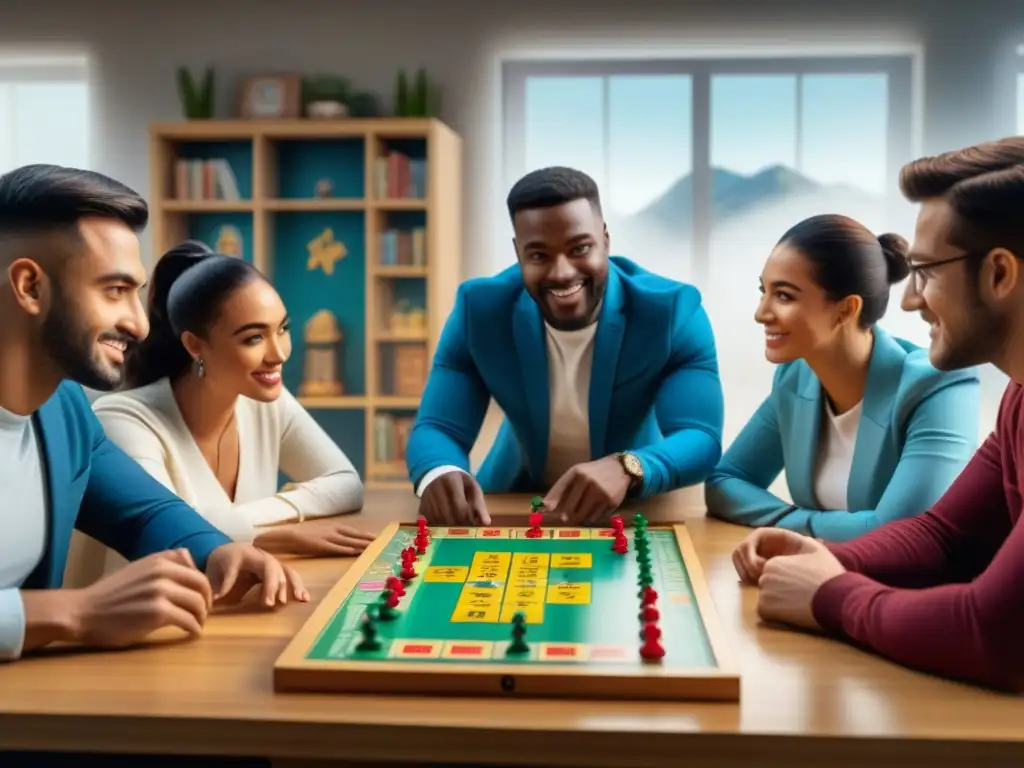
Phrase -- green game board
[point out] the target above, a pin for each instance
(581, 601)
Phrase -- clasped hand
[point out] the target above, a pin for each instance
(788, 568)
(588, 492)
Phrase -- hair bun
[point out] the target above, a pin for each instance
(895, 249)
(172, 265)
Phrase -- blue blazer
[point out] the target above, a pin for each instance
(654, 389)
(94, 486)
(918, 429)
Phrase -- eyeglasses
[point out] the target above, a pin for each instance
(921, 273)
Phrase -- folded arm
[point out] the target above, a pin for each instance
(689, 407)
(132, 512)
(453, 405)
(940, 592)
(325, 481)
(953, 542)
(737, 489)
(938, 444)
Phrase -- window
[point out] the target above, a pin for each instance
(1020, 103)
(704, 164)
(44, 112)
(682, 147)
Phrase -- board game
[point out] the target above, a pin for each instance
(518, 611)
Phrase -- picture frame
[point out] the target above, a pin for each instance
(268, 97)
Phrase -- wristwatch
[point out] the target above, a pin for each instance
(632, 466)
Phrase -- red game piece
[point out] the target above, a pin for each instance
(536, 518)
(649, 613)
(617, 525)
(408, 573)
(421, 544)
(395, 585)
(650, 597)
(392, 599)
(652, 648)
(621, 544)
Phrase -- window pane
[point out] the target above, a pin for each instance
(565, 124)
(51, 124)
(649, 196)
(845, 124)
(753, 159)
(1020, 103)
(6, 134)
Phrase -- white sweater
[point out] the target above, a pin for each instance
(279, 435)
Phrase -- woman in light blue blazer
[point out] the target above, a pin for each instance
(865, 428)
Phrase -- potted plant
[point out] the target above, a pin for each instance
(196, 97)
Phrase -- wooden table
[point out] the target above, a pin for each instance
(805, 700)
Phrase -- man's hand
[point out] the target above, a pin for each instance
(762, 545)
(454, 498)
(788, 585)
(234, 569)
(324, 537)
(587, 492)
(162, 590)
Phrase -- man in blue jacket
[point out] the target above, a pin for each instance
(606, 373)
(70, 274)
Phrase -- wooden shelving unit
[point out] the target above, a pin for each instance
(258, 182)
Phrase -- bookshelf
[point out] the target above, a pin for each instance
(254, 189)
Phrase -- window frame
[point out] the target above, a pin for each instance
(899, 145)
(17, 69)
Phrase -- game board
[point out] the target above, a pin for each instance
(531, 611)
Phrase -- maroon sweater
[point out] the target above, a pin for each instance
(944, 591)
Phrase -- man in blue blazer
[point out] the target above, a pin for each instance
(69, 309)
(606, 373)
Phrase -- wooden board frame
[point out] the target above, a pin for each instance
(293, 672)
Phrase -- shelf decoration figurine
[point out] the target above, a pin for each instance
(323, 339)
(407, 318)
(324, 188)
(229, 241)
(324, 251)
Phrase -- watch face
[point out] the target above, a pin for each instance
(632, 464)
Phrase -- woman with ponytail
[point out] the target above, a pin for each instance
(866, 430)
(206, 412)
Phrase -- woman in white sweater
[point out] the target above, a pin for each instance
(208, 416)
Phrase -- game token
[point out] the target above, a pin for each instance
(389, 601)
(536, 504)
(395, 585)
(369, 632)
(503, 615)
(649, 613)
(652, 648)
(518, 645)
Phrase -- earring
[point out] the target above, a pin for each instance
(201, 367)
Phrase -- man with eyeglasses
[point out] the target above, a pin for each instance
(942, 592)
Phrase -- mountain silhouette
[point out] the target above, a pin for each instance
(733, 194)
